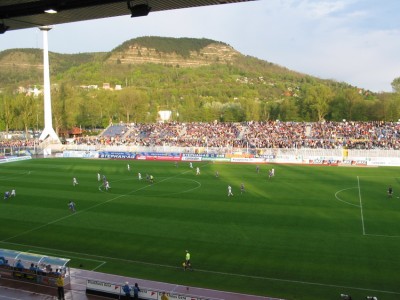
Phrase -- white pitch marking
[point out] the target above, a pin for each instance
(105, 258)
(361, 208)
(85, 210)
(336, 196)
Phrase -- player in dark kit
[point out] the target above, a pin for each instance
(390, 191)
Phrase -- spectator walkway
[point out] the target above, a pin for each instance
(76, 290)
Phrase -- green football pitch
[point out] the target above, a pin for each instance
(310, 232)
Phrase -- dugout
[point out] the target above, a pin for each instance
(35, 268)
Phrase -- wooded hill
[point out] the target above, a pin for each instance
(197, 79)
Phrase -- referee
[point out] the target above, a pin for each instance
(187, 260)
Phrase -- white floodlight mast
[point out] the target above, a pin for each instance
(48, 130)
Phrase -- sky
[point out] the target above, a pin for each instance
(352, 41)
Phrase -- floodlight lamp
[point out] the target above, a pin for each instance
(138, 10)
(3, 28)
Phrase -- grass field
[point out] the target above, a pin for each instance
(308, 233)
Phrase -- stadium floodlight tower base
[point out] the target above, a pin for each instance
(48, 131)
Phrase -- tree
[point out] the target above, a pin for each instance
(320, 97)
(338, 110)
(305, 102)
(212, 111)
(7, 112)
(288, 110)
(250, 103)
(132, 104)
(59, 109)
(24, 111)
(353, 99)
(108, 107)
(232, 112)
(388, 107)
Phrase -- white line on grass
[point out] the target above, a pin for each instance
(199, 270)
(105, 258)
(38, 227)
(99, 266)
(15, 175)
(299, 282)
(100, 262)
(185, 191)
(361, 211)
(383, 235)
(361, 208)
(373, 176)
(159, 195)
(88, 209)
(63, 218)
(337, 197)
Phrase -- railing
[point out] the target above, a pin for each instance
(230, 150)
(276, 152)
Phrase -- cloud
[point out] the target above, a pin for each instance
(323, 9)
(327, 39)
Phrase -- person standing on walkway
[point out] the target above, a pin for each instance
(60, 287)
(136, 291)
(127, 290)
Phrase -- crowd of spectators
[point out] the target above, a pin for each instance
(271, 134)
(16, 144)
(324, 135)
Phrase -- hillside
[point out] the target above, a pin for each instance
(21, 66)
(25, 66)
(184, 52)
(197, 79)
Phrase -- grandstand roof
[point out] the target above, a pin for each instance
(20, 14)
(34, 258)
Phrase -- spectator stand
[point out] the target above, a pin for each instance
(114, 131)
(33, 268)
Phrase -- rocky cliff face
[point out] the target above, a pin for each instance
(21, 59)
(213, 53)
